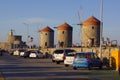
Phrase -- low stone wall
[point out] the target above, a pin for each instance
(105, 50)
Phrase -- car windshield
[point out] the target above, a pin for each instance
(66, 51)
(58, 51)
(71, 54)
(69, 51)
(35, 51)
(80, 55)
(21, 50)
(86, 55)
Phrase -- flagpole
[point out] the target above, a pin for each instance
(101, 26)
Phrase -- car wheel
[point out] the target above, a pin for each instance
(37, 57)
(42, 57)
(66, 65)
(1, 54)
(53, 60)
(90, 67)
(100, 67)
(75, 68)
(25, 57)
(58, 62)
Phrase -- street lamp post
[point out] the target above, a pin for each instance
(27, 25)
(27, 38)
(101, 26)
(57, 43)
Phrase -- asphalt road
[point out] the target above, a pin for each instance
(18, 68)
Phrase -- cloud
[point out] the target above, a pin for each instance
(45, 21)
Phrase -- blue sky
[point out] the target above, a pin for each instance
(38, 14)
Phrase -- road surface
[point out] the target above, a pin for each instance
(19, 68)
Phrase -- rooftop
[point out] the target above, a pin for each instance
(92, 21)
(64, 26)
(47, 29)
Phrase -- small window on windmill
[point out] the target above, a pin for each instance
(45, 43)
(92, 27)
(63, 32)
(46, 34)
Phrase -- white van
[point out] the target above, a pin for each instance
(59, 55)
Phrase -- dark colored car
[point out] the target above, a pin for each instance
(1, 52)
(26, 54)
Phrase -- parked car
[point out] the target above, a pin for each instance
(22, 52)
(11, 52)
(1, 52)
(26, 54)
(19, 52)
(16, 53)
(87, 60)
(69, 59)
(36, 54)
(59, 55)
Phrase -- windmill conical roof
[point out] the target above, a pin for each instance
(92, 21)
(64, 26)
(47, 29)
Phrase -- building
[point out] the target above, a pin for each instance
(13, 41)
(91, 32)
(46, 38)
(65, 35)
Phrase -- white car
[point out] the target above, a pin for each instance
(36, 54)
(22, 52)
(16, 53)
(69, 59)
(59, 55)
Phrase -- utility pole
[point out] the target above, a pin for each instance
(101, 26)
